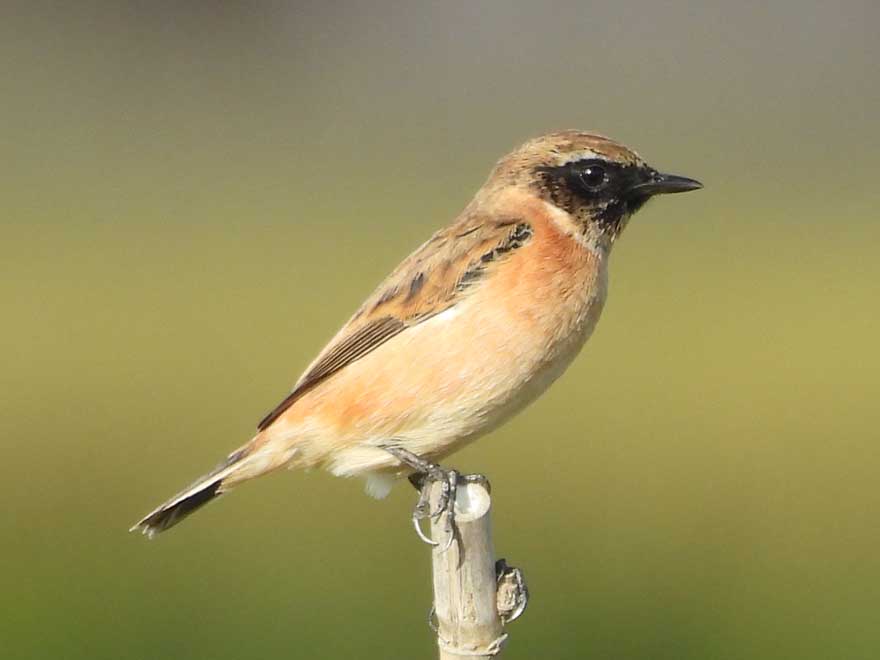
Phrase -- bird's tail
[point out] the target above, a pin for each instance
(234, 469)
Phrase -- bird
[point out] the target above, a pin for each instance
(468, 330)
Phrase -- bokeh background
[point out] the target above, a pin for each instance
(195, 195)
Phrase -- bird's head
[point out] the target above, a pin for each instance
(598, 182)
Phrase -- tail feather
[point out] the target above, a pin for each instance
(201, 492)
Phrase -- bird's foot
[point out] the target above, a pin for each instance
(425, 475)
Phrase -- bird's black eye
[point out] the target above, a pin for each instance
(594, 178)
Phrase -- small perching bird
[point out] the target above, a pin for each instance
(468, 330)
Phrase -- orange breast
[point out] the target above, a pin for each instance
(452, 377)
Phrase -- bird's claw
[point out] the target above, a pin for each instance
(425, 474)
(448, 480)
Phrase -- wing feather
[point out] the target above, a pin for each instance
(431, 280)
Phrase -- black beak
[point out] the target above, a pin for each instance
(663, 184)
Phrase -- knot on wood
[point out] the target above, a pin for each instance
(493, 649)
(512, 595)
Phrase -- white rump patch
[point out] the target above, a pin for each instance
(378, 485)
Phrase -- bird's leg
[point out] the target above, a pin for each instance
(423, 506)
(424, 475)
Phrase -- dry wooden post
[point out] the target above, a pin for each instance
(466, 589)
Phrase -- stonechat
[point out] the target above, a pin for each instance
(468, 330)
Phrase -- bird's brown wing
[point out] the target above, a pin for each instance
(431, 280)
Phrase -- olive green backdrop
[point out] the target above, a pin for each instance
(195, 195)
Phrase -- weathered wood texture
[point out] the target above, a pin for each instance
(465, 585)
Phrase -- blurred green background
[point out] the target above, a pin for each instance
(195, 195)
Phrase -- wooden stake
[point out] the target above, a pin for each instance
(465, 584)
